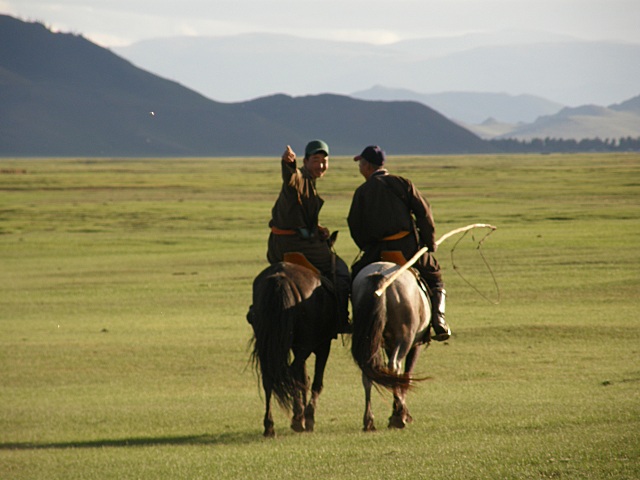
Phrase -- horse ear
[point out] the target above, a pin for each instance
(333, 238)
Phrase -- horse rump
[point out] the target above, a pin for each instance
(367, 341)
(275, 300)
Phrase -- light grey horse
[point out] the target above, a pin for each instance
(387, 332)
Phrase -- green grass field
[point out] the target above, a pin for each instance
(124, 347)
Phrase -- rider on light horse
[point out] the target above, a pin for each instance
(388, 213)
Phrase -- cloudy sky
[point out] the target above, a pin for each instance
(113, 23)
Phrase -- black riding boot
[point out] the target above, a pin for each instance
(342, 300)
(342, 324)
(439, 324)
(342, 280)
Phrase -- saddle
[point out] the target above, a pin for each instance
(299, 259)
(393, 256)
(396, 256)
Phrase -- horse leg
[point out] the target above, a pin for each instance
(269, 431)
(368, 424)
(322, 355)
(400, 415)
(409, 364)
(300, 398)
(397, 418)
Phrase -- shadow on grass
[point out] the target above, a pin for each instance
(222, 439)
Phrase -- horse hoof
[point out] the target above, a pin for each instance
(269, 433)
(297, 426)
(396, 422)
(309, 425)
(369, 427)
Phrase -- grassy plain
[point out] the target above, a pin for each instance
(123, 342)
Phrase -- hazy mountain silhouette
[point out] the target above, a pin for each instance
(523, 116)
(632, 105)
(567, 71)
(63, 95)
(470, 107)
(587, 121)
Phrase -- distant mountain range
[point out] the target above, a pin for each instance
(63, 95)
(562, 70)
(463, 70)
(523, 117)
(471, 107)
(590, 121)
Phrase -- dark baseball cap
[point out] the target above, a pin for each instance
(372, 154)
(315, 146)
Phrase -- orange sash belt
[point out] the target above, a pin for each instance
(396, 236)
(279, 231)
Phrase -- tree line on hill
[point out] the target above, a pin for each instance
(560, 145)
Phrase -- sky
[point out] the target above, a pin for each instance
(115, 23)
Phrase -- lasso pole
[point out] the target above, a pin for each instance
(424, 250)
(463, 229)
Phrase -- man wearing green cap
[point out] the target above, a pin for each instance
(294, 222)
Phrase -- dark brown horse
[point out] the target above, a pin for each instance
(387, 332)
(293, 315)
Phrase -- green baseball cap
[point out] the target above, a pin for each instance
(315, 146)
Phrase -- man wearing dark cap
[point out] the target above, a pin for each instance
(389, 213)
(295, 227)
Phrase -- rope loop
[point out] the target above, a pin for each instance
(486, 263)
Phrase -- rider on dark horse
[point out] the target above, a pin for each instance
(388, 213)
(295, 228)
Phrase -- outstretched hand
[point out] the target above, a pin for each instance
(289, 155)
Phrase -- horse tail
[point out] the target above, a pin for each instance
(273, 323)
(369, 321)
